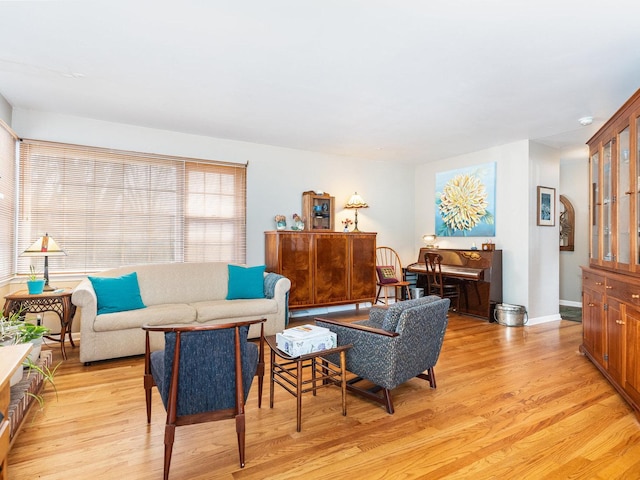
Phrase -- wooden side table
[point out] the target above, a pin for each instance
(57, 301)
(288, 374)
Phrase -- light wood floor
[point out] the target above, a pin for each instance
(511, 403)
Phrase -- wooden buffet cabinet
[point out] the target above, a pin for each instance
(611, 282)
(325, 268)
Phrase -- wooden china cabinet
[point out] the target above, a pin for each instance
(325, 268)
(611, 282)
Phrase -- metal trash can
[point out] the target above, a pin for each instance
(510, 315)
(417, 292)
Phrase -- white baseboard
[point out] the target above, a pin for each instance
(570, 303)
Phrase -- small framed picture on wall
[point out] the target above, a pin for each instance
(546, 206)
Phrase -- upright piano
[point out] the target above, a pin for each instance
(479, 273)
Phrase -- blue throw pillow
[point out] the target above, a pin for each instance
(245, 282)
(117, 294)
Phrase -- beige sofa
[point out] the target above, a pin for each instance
(175, 293)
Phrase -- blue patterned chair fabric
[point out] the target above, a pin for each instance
(394, 344)
(207, 370)
(205, 375)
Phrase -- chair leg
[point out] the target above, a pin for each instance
(240, 428)
(169, 435)
(378, 296)
(388, 403)
(372, 393)
(148, 385)
(430, 376)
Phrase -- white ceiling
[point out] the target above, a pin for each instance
(399, 80)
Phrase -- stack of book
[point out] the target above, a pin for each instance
(305, 339)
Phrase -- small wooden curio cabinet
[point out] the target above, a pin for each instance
(318, 211)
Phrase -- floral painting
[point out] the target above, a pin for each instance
(465, 202)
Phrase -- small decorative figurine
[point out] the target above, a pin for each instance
(346, 222)
(298, 223)
(281, 222)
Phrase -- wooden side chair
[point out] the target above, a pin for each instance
(390, 275)
(203, 374)
(437, 284)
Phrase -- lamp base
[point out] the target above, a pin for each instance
(48, 288)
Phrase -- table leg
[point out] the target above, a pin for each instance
(343, 383)
(313, 375)
(299, 395)
(273, 359)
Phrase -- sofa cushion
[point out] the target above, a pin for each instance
(231, 309)
(117, 294)
(245, 282)
(165, 314)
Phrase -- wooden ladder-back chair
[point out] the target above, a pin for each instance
(390, 275)
(203, 374)
(437, 284)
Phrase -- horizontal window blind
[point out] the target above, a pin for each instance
(108, 208)
(7, 201)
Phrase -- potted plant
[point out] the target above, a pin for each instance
(34, 284)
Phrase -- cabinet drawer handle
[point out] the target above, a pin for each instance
(620, 322)
(635, 295)
(608, 287)
(591, 304)
(598, 283)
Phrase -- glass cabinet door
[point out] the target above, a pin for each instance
(637, 190)
(623, 204)
(607, 206)
(595, 207)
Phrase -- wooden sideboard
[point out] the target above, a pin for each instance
(325, 268)
(611, 329)
(11, 358)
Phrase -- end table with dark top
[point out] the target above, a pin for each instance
(288, 374)
(57, 301)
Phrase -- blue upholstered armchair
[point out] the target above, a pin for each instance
(203, 375)
(394, 345)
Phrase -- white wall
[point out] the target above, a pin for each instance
(574, 184)
(5, 111)
(544, 246)
(515, 216)
(401, 196)
(276, 176)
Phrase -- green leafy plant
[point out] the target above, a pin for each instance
(48, 376)
(33, 275)
(9, 326)
(14, 328)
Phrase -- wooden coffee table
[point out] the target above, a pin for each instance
(287, 372)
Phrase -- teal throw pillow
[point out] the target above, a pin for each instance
(117, 294)
(245, 282)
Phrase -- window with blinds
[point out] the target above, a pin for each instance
(108, 208)
(7, 201)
